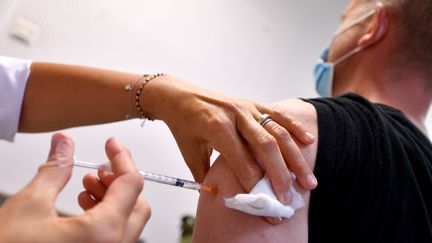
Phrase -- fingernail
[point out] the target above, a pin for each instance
(311, 180)
(62, 154)
(116, 145)
(106, 169)
(310, 136)
(274, 220)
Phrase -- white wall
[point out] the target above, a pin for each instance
(262, 50)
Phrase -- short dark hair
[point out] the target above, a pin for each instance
(414, 40)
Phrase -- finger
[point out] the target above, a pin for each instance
(124, 190)
(140, 215)
(292, 155)
(296, 128)
(266, 150)
(120, 158)
(105, 177)
(197, 157)
(273, 220)
(94, 186)
(225, 139)
(240, 160)
(86, 201)
(55, 173)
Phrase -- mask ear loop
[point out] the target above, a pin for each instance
(359, 48)
(354, 22)
(349, 54)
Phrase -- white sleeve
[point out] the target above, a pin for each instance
(13, 79)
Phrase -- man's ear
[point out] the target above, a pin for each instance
(379, 27)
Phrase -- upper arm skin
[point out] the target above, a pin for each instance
(216, 223)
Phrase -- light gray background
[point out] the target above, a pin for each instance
(259, 49)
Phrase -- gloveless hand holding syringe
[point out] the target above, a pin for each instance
(167, 180)
(261, 201)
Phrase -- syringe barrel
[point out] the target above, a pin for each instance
(158, 178)
(170, 180)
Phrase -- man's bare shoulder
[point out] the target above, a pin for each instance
(301, 112)
(297, 109)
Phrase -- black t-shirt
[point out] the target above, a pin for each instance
(374, 170)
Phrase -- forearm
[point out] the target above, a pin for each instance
(62, 96)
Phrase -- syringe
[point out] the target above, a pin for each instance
(167, 180)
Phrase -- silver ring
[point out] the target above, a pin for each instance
(264, 119)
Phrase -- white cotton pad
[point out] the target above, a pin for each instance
(261, 201)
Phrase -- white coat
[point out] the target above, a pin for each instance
(13, 79)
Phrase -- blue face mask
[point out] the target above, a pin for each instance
(324, 75)
(324, 70)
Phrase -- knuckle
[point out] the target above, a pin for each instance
(281, 133)
(143, 208)
(268, 142)
(44, 166)
(234, 106)
(295, 124)
(276, 113)
(301, 167)
(219, 126)
(297, 165)
(240, 107)
(133, 179)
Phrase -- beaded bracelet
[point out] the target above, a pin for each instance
(129, 88)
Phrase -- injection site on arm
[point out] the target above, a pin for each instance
(262, 201)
